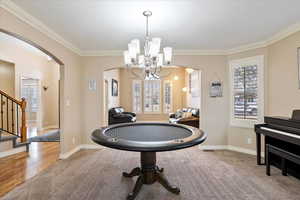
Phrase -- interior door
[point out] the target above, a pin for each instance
(105, 103)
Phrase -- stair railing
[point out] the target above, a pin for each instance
(11, 112)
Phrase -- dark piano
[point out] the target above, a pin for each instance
(283, 134)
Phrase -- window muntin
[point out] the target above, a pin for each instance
(30, 91)
(167, 96)
(246, 91)
(137, 96)
(152, 96)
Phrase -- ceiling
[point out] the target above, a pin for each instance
(100, 25)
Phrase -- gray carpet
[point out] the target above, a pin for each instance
(50, 136)
(96, 175)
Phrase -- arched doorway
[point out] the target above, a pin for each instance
(35, 162)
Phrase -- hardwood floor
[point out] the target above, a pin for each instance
(15, 169)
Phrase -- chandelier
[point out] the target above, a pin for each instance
(151, 60)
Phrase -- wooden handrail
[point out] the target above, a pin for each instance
(23, 121)
(11, 98)
(22, 132)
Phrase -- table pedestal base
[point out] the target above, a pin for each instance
(148, 174)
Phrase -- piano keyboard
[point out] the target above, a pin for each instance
(281, 132)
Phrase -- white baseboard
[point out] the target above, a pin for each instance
(212, 147)
(12, 151)
(202, 147)
(69, 153)
(230, 148)
(78, 148)
(91, 146)
(241, 150)
(49, 127)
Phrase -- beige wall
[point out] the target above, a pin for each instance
(283, 88)
(50, 97)
(31, 63)
(214, 110)
(71, 77)
(7, 77)
(7, 85)
(178, 99)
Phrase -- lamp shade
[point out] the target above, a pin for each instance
(156, 41)
(168, 54)
(132, 50)
(136, 42)
(127, 58)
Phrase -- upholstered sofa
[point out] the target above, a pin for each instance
(117, 115)
(187, 116)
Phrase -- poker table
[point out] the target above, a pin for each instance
(148, 138)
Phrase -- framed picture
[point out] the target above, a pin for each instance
(114, 88)
(216, 89)
(298, 50)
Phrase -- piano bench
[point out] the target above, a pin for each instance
(284, 155)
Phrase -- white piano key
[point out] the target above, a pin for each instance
(281, 132)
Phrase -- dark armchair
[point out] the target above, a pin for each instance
(117, 115)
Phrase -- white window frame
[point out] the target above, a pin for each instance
(152, 112)
(259, 61)
(164, 97)
(140, 98)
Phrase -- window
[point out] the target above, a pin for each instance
(167, 96)
(152, 96)
(30, 91)
(137, 96)
(246, 91)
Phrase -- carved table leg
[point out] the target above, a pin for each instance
(135, 172)
(148, 174)
(136, 189)
(164, 182)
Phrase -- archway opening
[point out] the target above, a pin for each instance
(34, 73)
(174, 98)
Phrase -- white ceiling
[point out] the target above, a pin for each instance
(99, 25)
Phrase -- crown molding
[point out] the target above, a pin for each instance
(283, 34)
(102, 53)
(246, 47)
(29, 19)
(182, 52)
(196, 52)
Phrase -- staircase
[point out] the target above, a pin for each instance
(13, 130)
